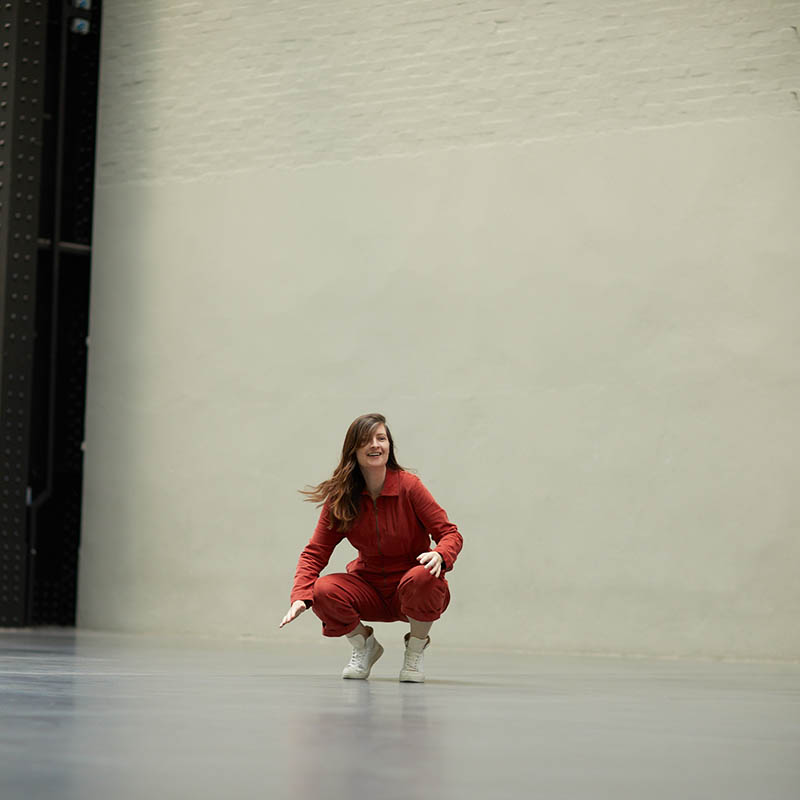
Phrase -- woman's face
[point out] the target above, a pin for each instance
(375, 451)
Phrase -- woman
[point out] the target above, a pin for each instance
(390, 518)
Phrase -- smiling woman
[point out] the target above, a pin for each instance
(389, 516)
(375, 452)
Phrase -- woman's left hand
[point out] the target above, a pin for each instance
(432, 561)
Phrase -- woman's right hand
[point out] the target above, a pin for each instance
(297, 608)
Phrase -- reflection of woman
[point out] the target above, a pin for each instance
(389, 517)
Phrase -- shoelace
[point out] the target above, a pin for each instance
(359, 657)
(412, 660)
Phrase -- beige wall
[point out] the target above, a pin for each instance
(584, 337)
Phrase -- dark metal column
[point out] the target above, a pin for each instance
(21, 96)
(48, 113)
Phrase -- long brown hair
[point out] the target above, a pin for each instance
(342, 491)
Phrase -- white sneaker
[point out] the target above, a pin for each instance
(365, 653)
(412, 664)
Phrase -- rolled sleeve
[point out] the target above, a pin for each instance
(314, 558)
(436, 523)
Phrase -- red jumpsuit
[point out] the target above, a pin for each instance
(385, 583)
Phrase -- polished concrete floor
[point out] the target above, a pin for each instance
(87, 715)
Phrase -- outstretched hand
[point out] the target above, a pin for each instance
(432, 561)
(298, 607)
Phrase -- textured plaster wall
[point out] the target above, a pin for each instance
(556, 243)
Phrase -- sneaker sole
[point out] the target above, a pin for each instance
(375, 656)
(407, 678)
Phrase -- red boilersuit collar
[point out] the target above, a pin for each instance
(391, 485)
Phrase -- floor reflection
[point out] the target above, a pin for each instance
(367, 737)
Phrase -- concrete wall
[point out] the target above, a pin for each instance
(555, 243)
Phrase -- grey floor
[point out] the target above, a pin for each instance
(86, 715)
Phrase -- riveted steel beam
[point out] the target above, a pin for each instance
(23, 30)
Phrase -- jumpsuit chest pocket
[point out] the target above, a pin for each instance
(383, 530)
(399, 532)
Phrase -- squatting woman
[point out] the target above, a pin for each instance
(390, 518)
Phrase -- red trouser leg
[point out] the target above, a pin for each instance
(421, 596)
(342, 600)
